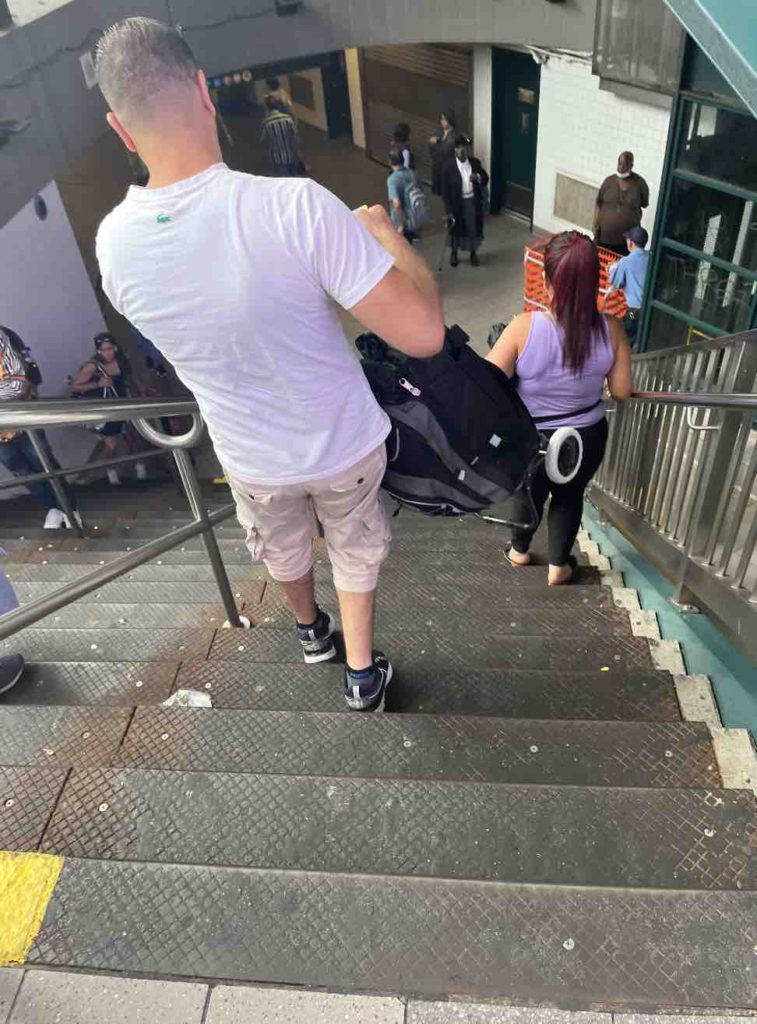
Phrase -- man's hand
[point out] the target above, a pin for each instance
(405, 306)
(376, 220)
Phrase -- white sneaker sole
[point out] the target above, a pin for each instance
(314, 659)
(355, 705)
(326, 655)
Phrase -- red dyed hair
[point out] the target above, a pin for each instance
(571, 267)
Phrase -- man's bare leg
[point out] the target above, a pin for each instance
(301, 597)
(357, 625)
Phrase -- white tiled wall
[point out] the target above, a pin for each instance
(582, 129)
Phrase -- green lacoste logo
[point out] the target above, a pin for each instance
(163, 218)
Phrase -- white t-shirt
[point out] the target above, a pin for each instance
(232, 276)
(466, 172)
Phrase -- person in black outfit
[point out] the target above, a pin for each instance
(108, 375)
(442, 150)
(464, 183)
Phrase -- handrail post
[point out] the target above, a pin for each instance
(194, 494)
(54, 481)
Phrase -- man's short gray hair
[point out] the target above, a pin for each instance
(137, 59)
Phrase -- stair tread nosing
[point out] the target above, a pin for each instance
(453, 648)
(122, 644)
(93, 683)
(424, 746)
(155, 571)
(124, 592)
(426, 936)
(634, 696)
(663, 838)
(107, 615)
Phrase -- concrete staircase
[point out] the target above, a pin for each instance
(532, 823)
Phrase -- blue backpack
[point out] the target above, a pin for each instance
(416, 206)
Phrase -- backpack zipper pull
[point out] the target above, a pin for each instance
(414, 391)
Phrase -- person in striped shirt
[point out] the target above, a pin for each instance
(280, 133)
(17, 453)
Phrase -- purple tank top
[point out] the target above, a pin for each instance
(550, 389)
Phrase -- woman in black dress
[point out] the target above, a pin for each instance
(442, 148)
(107, 375)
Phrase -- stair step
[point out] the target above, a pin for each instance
(124, 592)
(234, 553)
(153, 572)
(27, 799)
(665, 838)
(146, 529)
(268, 686)
(452, 649)
(114, 616)
(426, 608)
(15, 545)
(130, 542)
(466, 570)
(432, 937)
(60, 736)
(421, 746)
(123, 644)
(104, 684)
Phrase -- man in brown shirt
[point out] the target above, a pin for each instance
(620, 200)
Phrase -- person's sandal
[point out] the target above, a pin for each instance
(564, 583)
(518, 565)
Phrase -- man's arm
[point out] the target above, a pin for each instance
(405, 307)
(617, 276)
(644, 194)
(368, 268)
(597, 208)
(483, 177)
(396, 204)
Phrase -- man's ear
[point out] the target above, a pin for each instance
(121, 132)
(207, 101)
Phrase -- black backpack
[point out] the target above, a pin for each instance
(461, 439)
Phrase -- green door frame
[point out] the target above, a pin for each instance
(670, 175)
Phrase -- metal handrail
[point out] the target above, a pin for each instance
(33, 417)
(67, 412)
(742, 403)
(682, 486)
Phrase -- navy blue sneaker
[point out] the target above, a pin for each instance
(11, 670)
(315, 639)
(366, 691)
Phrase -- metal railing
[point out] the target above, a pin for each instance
(35, 417)
(680, 476)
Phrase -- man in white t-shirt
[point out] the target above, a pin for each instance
(234, 278)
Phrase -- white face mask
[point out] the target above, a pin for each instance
(625, 174)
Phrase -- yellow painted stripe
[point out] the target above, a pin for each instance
(27, 881)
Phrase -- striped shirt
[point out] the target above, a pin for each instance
(13, 381)
(279, 132)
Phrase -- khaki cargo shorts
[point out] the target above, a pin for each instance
(279, 524)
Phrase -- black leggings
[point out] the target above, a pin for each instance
(566, 507)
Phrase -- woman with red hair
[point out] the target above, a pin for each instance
(562, 358)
